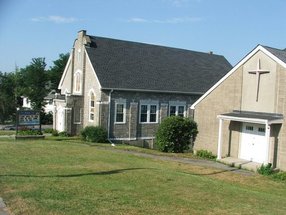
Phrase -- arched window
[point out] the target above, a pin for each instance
(77, 82)
(91, 106)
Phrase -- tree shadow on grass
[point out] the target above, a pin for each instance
(74, 175)
(237, 171)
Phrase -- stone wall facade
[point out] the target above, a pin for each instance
(232, 94)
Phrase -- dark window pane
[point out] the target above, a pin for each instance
(181, 110)
(143, 114)
(172, 110)
(153, 113)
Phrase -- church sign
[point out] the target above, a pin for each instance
(28, 117)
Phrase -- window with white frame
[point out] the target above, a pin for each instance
(77, 82)
(149, 112)
(120, 111)
(177, 109)
(91, 106)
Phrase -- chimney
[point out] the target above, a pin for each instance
(81, 36)
(81, 33)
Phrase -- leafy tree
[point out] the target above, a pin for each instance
(7, 96)
(34, 82)
(56, 71)
(175, 134)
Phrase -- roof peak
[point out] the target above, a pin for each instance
(94, 38)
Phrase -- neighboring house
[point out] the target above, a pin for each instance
(48, 108)
(242, 115)
(129, 88)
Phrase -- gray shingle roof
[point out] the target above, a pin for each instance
(131, 65)
(280, 53)
(254, 115)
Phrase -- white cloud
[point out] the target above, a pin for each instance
(138, 20)
(55, 19)
(175, 20)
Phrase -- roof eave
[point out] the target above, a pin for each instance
(152, 91)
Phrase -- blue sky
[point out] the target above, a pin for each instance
(46, 28)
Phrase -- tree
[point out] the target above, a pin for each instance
(34, 82)
(175, 134)
(56, 71)
(7, 96)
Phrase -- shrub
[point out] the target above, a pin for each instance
(280, 176)
(48, 130)
(29, 132)
(205, 154)
(55, 133)
(265, 169)
(94, 134)
(63, 134)
(175, 134)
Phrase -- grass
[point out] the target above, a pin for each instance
(7, 132)
(65, 176)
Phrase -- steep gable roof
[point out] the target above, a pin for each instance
(277, 55)
(137, 66)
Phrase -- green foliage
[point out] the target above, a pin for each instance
(175, 134)
(29, 132)
(35, 82)
(7, 97)
(56, 71)
(63, 134)
(48, 130)
(205, 154)
(55, 133)
(94, 134)
(265, 169)
(32, 81)
(46, 118)
(281, 176)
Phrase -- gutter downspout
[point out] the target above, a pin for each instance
(109, 117)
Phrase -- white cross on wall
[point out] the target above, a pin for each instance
(258, 72)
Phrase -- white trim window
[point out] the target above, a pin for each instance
(120, 111)
(149, 112)
(177, 109)
(91, 106)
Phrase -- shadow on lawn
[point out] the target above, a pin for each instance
(239, 171)
(73, 175)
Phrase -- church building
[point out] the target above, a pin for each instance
(243, 115)
(128, 88)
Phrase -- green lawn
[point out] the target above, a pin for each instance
(69, 177)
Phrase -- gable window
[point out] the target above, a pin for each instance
(149, 113)
(77, 82)
(177, 110)
(91, 106)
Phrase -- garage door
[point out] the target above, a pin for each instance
(253, 144)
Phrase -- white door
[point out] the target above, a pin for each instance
(60, 125)
(253, 144)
